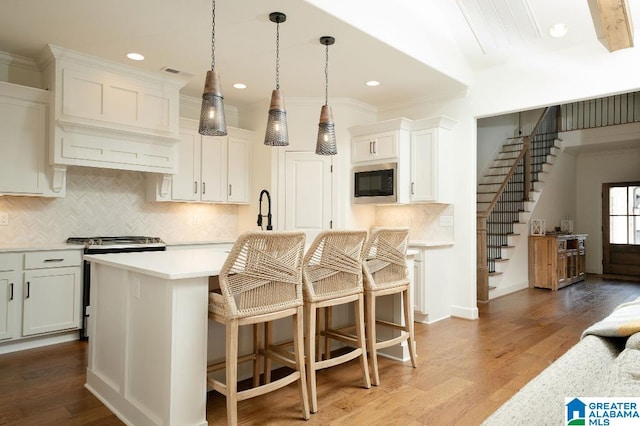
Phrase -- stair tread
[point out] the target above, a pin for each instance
(500, 260)
(493, 274)
(500, 246)
(511, 234)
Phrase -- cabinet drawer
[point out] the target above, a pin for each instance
(52, 259)
(9, 262)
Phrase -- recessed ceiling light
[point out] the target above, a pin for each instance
(558, 30)
(239, 85)
(372, 83)
(135, 56)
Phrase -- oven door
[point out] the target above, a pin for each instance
(375, 183)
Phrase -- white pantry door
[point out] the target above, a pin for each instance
(307, 192)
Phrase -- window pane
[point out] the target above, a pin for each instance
(634, 229)
(634, 200)
(618, 230)
(618, 200)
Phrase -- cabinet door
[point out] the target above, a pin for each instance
(185, 186)
(214, 168)
(385, 145)
(8, 300)
(374, 147)
(51, 300)
(423, 166)
(239, 170)
(307, 193)
(23, 130)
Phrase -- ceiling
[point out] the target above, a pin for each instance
(178, 35)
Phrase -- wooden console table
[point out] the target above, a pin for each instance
(556, 261)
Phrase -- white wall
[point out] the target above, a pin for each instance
(493, 132)
(594, 169)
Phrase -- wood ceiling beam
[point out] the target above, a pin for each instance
(612, 22)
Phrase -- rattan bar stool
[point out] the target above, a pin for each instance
(385, 273)
(261, 281)
(332, 276)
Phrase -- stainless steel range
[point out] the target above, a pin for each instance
(104, 245)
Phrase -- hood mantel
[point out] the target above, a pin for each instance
(105, 114)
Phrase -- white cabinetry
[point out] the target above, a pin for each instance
(432, 286)
(110, 115)
(215, 169)
(52, 289)
(421, 149)
(378, 146)
(9, 296)
(23, 137)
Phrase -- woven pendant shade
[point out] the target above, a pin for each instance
(277, 133)
(326, 143)
(212, 119)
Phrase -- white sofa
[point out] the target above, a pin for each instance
(601, 365)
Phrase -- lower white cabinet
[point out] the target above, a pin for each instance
(432, 282)
(51, 300)
(40, 298)
(7, 303)
(52, 289)
(9, 299)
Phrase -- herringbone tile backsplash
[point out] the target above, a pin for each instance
(111, 202)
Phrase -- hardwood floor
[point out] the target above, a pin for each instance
(466, 369)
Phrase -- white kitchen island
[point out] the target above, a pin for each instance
(148, 334)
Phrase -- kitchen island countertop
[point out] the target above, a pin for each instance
(170, 265)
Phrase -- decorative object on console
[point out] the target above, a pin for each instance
(277, 134)
(326, 143)
(566, 225)
(537, 227)
(212, 119)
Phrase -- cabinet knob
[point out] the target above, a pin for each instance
(195, 187)
(204, 188)
(413, 188)
(229, 190)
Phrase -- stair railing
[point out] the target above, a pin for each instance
(523, 159)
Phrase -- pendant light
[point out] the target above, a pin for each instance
(212, 120)
(326, 143)
(276, 133)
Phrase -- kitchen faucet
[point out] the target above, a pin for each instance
(260, 215)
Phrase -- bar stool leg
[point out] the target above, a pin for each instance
(360, 332)
(310, 352)
(298, 347)
(370, 300)
(232, 372)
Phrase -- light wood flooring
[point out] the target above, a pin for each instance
(466, 369)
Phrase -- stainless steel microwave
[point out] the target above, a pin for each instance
(375, 183)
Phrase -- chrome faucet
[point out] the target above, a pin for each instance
(260, 215)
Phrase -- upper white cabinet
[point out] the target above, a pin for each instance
(421, 149)
(23, 138)
(110, 115)
(378, 146)
(215, 169)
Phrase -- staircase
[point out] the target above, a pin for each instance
(507, 195)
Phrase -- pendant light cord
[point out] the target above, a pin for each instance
(278, 54)
(326, 75)
(213, 34)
